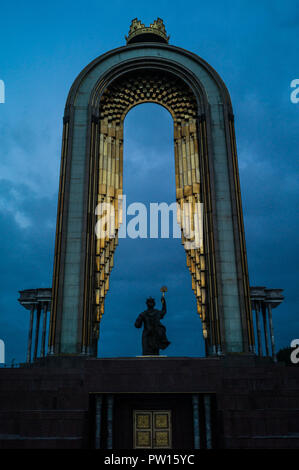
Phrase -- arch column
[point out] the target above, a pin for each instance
(264, 314)
(32, 308)
(273, 299)
(43, 345)
(268, 306)
(110, 410)
(258, 327)
(196, 426)
(38, 314)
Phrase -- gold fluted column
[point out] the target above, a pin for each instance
(213, 318)
(90, 237)
(108, 217)
(190, 214)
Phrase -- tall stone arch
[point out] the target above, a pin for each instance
(206, 172)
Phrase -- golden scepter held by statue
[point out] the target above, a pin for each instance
(163, 301)
(163, 290)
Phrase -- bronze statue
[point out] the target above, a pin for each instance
(154, 333)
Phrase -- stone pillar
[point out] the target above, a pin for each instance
(207, 407)
(196, 421)
(36, 330)
(45, 309)
(109, 421)
(30, 333)
(258, 327)
(99, 401)
(264, 312)
(271, 331)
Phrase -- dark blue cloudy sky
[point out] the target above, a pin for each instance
(44, 45)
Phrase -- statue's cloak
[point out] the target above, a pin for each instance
(154, 333)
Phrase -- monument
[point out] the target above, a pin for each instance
(148, 69)
(70, 397)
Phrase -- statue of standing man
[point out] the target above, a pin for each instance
(154, 333)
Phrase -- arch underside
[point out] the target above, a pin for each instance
(189, 141)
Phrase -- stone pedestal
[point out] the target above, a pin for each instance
(72, 402)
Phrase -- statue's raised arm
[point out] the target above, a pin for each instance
(163, 311)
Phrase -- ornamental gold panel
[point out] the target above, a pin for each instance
(143, 439)
(143, 421)
(161, 439)
(161, 420)
(152, 429)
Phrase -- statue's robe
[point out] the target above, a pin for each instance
(154, 333)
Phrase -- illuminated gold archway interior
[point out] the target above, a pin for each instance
(117, 99)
